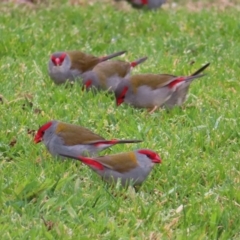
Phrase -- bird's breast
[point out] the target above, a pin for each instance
(60, 74)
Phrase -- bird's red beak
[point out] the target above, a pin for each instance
(119, 101)
(87, 84)
(37, 139)
(57, 61)
(120, 98)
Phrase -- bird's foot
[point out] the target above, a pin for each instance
(152, 110)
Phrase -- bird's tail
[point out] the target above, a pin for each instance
(201, 69)
(115, 141)
(190, 78)
(138, 61)
(108, 143)
(105, 58)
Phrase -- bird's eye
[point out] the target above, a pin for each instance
(149, 156)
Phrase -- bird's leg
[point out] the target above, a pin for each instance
(152, 110)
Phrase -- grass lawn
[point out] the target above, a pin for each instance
(193, 194)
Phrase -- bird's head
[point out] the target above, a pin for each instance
(58, 58)
(151, 155)
(41, 131)
(90, 80)
(120, 93)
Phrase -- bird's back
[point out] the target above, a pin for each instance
(114, 67)
(126, 167)
(153, 81)
(82, 61)
(76, 135)
(119, 162)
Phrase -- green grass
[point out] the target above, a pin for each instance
(193, 194)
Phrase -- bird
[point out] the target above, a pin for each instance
(149, 90)
(150, 4)
(99, 76)
(131, 168)
(180, 95)
(69, 65)
(65, 138)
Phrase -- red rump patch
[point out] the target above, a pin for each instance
(175, 82)
(133, 64)
(144, 2)
(110, 142)
(91, 163)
